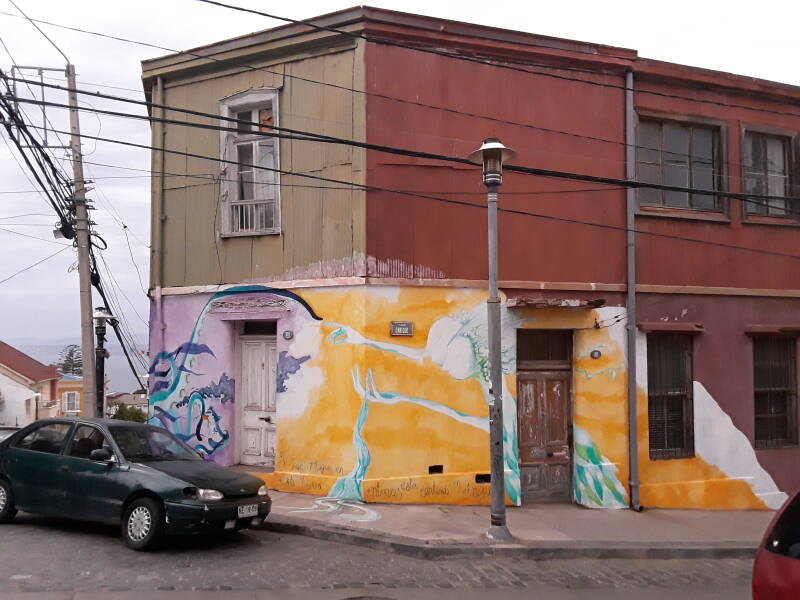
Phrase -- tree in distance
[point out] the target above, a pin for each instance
(70, 360)
(129, 413)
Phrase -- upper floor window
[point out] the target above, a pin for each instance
(767, 159)
(250, 183)
(678, 154)
(670, 411)
(775, 390)
(69, 402)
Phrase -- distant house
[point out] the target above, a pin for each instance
(69, 391)
(21, 379)
(131, 400)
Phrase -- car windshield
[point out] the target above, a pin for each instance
(149, 444)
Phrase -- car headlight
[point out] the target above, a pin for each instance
(262, 491)
(209, 495)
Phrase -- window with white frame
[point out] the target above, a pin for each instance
(250, 183)
(69, 402)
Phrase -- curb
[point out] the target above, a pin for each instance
(452, 549)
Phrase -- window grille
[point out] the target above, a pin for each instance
(775, 391)
(669, 396)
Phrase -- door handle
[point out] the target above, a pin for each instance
(63, 468)
(265, 419)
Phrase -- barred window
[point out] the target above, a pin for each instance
(775, 390)
(250, 183)
(669, 395)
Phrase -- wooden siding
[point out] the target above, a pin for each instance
(322, 229)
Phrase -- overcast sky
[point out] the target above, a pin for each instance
(41, 305)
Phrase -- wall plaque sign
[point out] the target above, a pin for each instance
(402, 328)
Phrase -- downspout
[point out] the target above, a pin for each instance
(161, 217)
(630, 224)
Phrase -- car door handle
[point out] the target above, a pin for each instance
(63, 468)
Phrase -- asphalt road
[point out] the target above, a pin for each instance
(72, 560)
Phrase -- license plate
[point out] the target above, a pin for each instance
(248, 510)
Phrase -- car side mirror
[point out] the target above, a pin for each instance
(101, 455)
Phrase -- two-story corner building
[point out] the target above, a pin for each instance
(319, 308)
(27, 387)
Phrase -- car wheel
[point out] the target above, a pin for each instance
(143, 524)
(7, 509)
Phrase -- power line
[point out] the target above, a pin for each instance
(402, 100)
(464, 203)
(135, 266)
(25, 215)
(39, 30)
(41, 158)
(34, 237)
(463, 113)
(37, 263)
(300, 135)
(487, 62)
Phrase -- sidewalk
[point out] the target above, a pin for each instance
(540, 531)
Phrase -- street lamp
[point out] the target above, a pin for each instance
(101, 315)
(492, 154)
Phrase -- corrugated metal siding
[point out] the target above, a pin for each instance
(322, 229)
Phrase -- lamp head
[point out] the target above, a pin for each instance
(101, 313)
(492, 154)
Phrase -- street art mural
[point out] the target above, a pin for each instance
(203, 414)
(363, 416)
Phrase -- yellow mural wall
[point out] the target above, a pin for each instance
(404, 419)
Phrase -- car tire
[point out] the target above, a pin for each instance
(7, 509)
(143, 525)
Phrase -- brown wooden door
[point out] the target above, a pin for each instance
(544, 435)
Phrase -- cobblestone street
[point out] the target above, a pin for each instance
(46, 555)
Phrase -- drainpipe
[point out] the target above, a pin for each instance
(161, 217)
(630, 223)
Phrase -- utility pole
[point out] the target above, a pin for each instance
(492, 154)
(89, 403)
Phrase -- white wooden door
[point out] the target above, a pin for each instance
(257, 430)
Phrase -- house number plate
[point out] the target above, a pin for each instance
(402, 328)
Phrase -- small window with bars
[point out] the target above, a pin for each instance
(775, 390)
(251, 194)
(670, 411)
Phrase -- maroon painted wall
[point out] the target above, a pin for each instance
(723, 358)
(413, 237)
(674, 262)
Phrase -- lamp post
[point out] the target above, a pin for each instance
(101, 315)
(492, 154)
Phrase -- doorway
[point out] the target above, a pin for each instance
(544, 414)
(258, 359)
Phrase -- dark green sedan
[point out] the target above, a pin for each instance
(117, 472)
